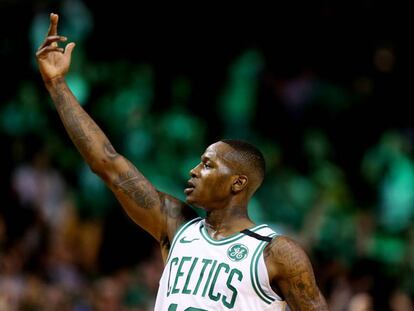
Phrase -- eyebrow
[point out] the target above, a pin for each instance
(205, 158)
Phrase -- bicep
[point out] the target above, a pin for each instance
(295, 277)
(135, 193)
(302, 293)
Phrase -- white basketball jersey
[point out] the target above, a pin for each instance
(206, 274)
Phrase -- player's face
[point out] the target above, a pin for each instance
(210, 184)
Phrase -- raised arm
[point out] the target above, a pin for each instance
(156, 212)
(291, 274)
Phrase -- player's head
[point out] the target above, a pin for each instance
(228, 168)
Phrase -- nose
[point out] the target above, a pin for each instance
(193, 172)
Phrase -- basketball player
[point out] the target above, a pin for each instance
(221, 262)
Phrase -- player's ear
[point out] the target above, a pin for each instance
(239, 183)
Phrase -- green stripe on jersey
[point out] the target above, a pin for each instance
(179, 232)
(254, 272)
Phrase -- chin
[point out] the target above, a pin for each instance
(189, 200)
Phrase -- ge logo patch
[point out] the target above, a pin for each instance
(237, 252)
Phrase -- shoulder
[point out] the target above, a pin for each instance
(285, 258)
(291, 275)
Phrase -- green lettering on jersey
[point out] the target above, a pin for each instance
(216, 269)
(173, 307)
(209, 278)
(206, 262)
(187, 280)
(179, 274)
(174, 260)
(232, 288)
(213, 283)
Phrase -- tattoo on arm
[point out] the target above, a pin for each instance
(80, 127)
(170, 206)
(303, 294)
(297, 280)
(110, 151)
(136, 187)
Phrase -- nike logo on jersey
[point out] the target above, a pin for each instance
(183, 240)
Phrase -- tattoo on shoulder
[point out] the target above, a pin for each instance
(136, 187)
(291, 258)
(300, 289)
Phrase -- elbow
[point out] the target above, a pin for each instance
(95, 169)
(98, 168)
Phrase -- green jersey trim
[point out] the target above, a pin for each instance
(179, 232)
(229, 239)
(254, 275)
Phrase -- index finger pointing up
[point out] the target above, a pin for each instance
(53, 25)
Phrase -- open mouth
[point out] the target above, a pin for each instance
(190, 188)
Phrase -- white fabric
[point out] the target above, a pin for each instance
(206, 274)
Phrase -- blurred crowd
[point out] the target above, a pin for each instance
(340, 177)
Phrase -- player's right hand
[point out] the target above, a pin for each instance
(53, 61)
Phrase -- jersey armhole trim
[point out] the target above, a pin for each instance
(180, 231)
(254, 275)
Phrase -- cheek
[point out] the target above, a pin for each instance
(217, 186)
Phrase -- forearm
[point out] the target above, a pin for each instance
(160, 216)
(83, 131)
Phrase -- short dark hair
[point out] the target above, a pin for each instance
(249, 154)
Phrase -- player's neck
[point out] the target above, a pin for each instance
(225, 222)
